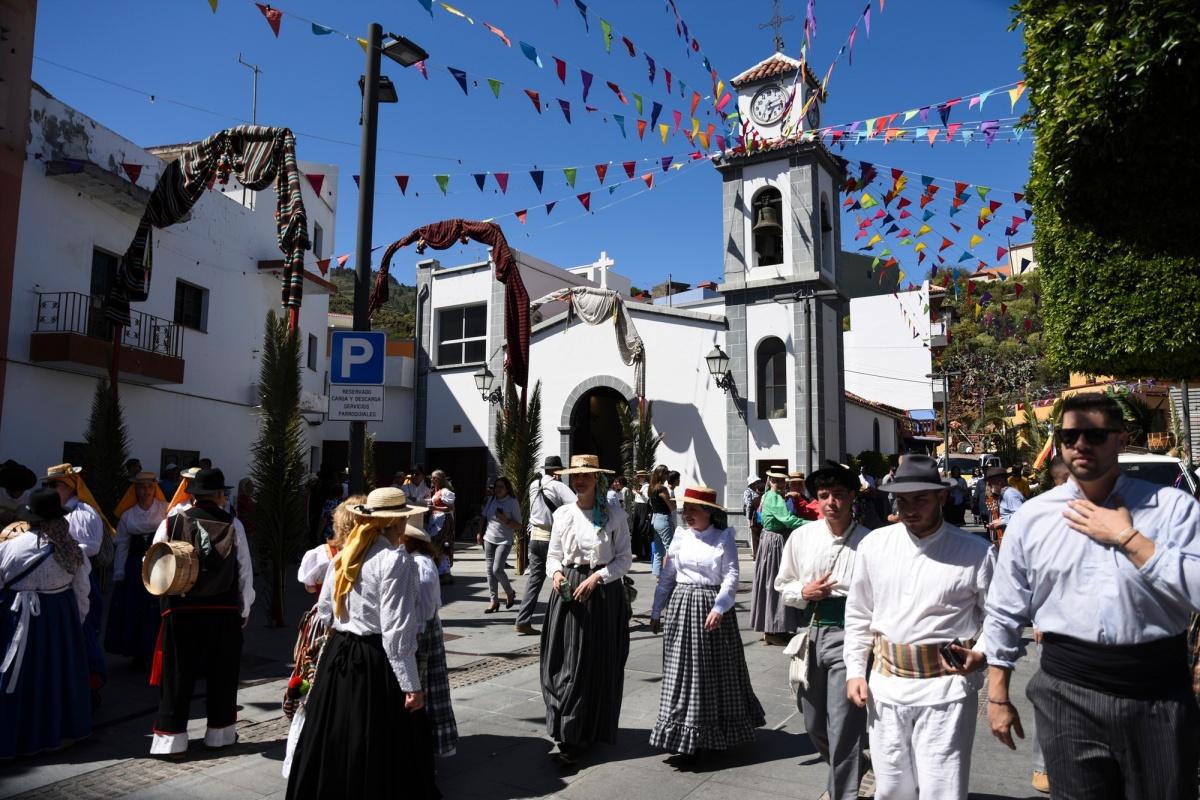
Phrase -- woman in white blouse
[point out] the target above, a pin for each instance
(585, 640)
(706, 701)
(366, 732)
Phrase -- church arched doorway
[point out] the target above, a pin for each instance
(595, 426)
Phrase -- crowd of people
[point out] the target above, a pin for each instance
(890, 614)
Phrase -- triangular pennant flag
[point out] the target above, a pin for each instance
(655, 110)
(606, 32)
(586, 77)
(323, 265)
(134, 171)
(535, 98)
(273, 15)
(637, 102)
(500, 33)
(641, 126)
(617, 91)
(601, 171)
(318, 30)
(480, 177)
(459, 76)
(560, 69)
(420, 65)
(952, 129)
(442, 181)
(315, 181)
(678, 119)
(629, 166)
(569, 174)
(501, 181)
(975, 239)
(664, 130)
(1015, 93)
(355, 177)
(566, 109)
(982, 191)
(521, 215)
(213, 5)
(457, 13)
(1018, 197)
(585, 200)
(1000, 251)
(945, 243)
(666, 162)
(648, 178)
(966, 256)
(620, 120)
(629, 46)
(537, 175)
(583, 12)
(924, 229)
(667, 77)
(342, 260)
(427, 5)
(695, 102)
(530, 52)
(866, 201)
(874, 240)
(402, 180)
(650, 67)
(495, 84)
(550, 206)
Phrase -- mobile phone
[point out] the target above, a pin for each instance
(952, 658)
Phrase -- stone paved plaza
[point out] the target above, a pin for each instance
(502, 752)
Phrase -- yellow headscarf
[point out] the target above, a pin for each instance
(181, 494)
(351, 557)
(85, 496)
(129, 499)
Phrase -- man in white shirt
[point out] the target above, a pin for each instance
(917, 602)
(814, 575)
(546, 495)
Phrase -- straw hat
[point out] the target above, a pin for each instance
(699, 496)
(386, 503)
(145, 477)
(795, 476)
(416, 532)
(584, 463)
(775, 473)
(190, 473)
(62, 472)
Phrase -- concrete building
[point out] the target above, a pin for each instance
(889, 348)
(873, 426)
(189, 362)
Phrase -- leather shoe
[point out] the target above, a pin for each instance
(526, 630)
(1041, 782)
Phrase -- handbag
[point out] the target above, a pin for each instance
(106, 554)
(797, 651)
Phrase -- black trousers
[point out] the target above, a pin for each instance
(1100, 746)
(203, 645)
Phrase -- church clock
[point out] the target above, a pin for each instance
(767, 106)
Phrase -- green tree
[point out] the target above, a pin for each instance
(519, 446)
(1113, 237)
(105, 449)
(639, 440)
(277, 459)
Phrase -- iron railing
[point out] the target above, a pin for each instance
(75, 312)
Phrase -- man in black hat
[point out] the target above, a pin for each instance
(15, 482)
(201, 633)
(546, 495)
(814, 576)
(917, 603)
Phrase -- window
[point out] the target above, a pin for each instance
(875, 435)
(104, 270)
(191, 306)
(312, 352)
(827, 249)
(180, 458)
(767, 216)
(462, 335)
(771, 363)
(318, 239)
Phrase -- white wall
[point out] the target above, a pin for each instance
(217, 249)
(770, 438)
(860, 434)
(884, 363)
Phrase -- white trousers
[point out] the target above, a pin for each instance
(922, 750)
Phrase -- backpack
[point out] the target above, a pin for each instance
(215, 542)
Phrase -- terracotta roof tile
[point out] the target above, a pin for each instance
(772, 67)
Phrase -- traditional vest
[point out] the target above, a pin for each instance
(211, 531)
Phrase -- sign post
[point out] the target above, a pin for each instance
(356, 374)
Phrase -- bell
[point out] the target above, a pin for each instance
(768, 221)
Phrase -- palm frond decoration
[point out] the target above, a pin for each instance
(277, 460)
(518, 449)
(639, 440)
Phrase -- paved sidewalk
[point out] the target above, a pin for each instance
(503, 749)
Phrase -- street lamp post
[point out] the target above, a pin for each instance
(945, 379)
(405, 53)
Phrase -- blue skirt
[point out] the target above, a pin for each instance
(134, 615)
(51, 704)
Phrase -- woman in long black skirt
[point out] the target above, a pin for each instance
(366, 732)
(706, 701)
(585, 641)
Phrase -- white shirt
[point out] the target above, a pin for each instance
(418, 494)
(18, 553)
(497, 531)
(384, 600)
(576, 541)
(241, 552)
(160, 534)
(85, 525)
(810, 552)
(429, 595)
(917, 591)
(556, 492)
(136, 521)
(703, 558)
(313, 565)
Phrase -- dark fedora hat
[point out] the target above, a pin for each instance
(208, 481)
(16, 477)
(552, 462)
(917, 473)
(43, 505)
(838, 472)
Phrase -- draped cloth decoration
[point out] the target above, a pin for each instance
(258, 155)
(447, 233)
(595, 307)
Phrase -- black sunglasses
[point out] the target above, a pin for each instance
(1093, 436)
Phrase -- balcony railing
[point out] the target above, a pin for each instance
(75, 312)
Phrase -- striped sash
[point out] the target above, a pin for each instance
(910, 660)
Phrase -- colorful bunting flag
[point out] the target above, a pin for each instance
(629, 166)
(459, 76)
(620, 120)
(315, 181)
(617, 91)
(648, 178)
(134, 171)
(641, 128)
(1015, 93)
(560, 68)
(521, 215)
(538, 176)
(650, 67)
(550, 207)
(566, 109)
(442, 181)
(606, 31)
(318, 30)
(536, 99)
(531, 53)
(480, 177)
(585, 200)
(637, 102)
(666, 162)
(456, 12)
(499, 33)
(501, 181)
(583, 12)
(663, 130)
(569, 174)
(586, 77)
(213, 5)
(402, 180)
(495, 84)
(601, 171)
(629, 46)
(273, 16)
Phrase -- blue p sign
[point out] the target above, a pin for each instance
(357, 357)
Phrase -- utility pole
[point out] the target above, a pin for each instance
(253, 101)
(945, 377)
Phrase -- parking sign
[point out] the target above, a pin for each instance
(358, 357)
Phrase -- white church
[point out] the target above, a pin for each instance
(743, 376)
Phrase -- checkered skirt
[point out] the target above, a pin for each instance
(706, 701)
(435, 679)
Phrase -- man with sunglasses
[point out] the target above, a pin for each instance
(1107, 567)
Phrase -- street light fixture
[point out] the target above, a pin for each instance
(483, 382)
(718, 367)
(374, 89)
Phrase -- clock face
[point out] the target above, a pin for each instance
(813, 117)
(767, 105)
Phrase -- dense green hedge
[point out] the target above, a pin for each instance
(1113, 93)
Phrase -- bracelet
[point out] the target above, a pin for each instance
(999, 702)
(1123, 539)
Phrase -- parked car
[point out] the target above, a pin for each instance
(1160, 469)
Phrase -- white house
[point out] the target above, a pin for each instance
(872, 426)
(888, 349)
(189, 362)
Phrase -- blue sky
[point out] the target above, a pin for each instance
(918, 53)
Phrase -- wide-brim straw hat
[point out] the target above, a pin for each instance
(386, 503)
(916, 473)
(774, 473)
(698, 496)
(416, 532)
(795, 476)
(145, 477)
(62, 472)
(583, 464)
